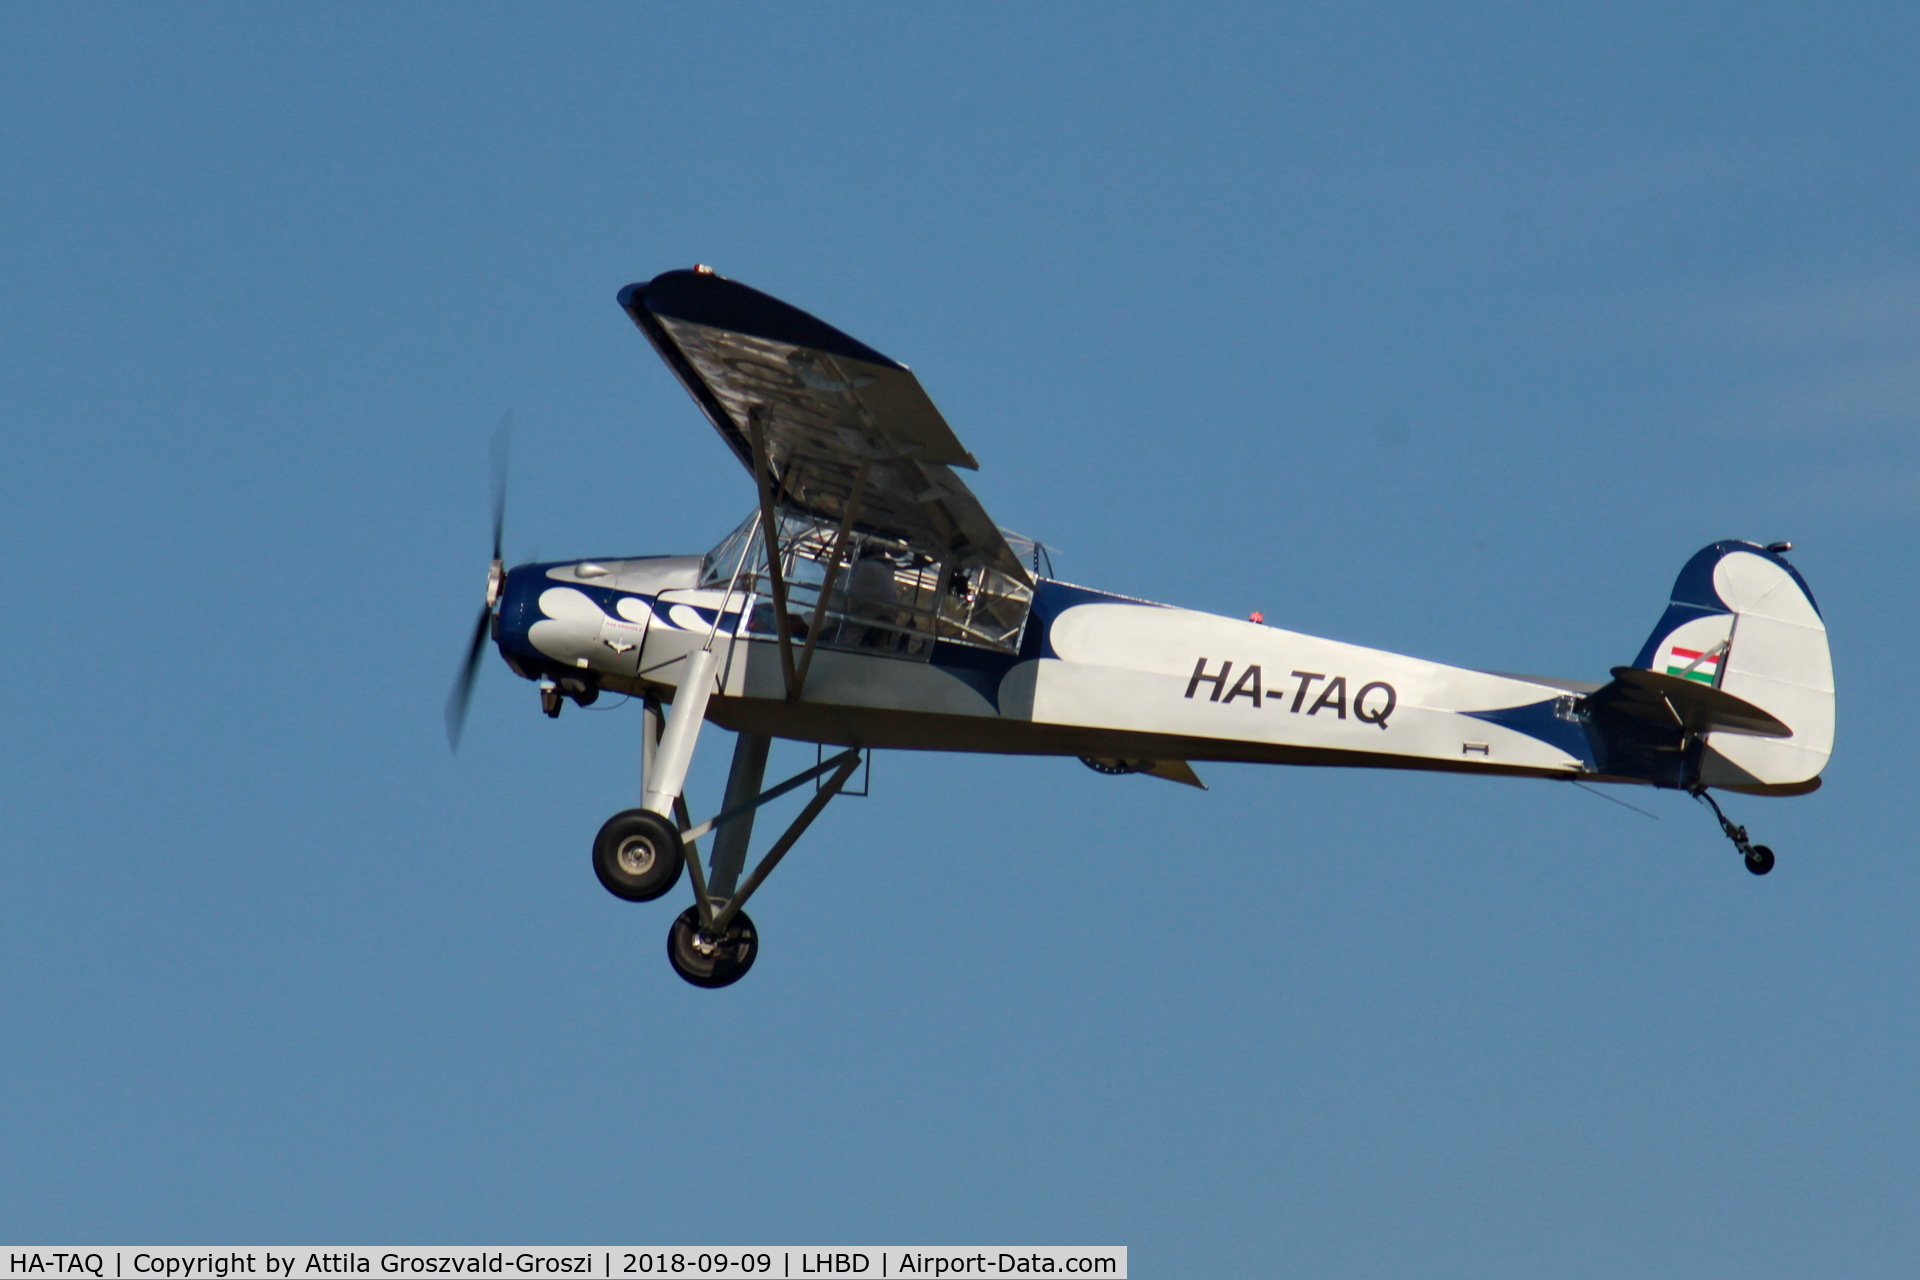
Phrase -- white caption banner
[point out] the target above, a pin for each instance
(602, 1262)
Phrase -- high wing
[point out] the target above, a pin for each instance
(833, 415)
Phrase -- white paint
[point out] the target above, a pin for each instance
(1129, 667)
(570, 632)
(1780, 662)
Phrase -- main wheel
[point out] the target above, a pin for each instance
(638, 855)
(1759, 859)
(711, 962)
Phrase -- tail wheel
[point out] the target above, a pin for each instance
(638, 855)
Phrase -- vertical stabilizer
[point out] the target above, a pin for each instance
(1743, 621)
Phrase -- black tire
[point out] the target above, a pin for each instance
(1759, 859)
(709, 964)
(638, 855)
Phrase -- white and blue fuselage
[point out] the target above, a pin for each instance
(1095, 675)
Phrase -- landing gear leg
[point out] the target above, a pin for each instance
(714, 943)
(731, 836)
(639, 852)
(1759, 858)
(668, 774)
(650, 722)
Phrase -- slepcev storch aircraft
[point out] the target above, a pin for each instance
(867, 602)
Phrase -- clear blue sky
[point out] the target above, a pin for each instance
(1454, 334)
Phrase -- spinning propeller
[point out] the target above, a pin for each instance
(462, 691)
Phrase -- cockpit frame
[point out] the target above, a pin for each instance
(853, 589)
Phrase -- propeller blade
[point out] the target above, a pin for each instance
(462, 691)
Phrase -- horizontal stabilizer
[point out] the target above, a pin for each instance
(1687, 705)
(1175, 771)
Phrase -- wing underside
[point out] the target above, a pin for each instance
(840, 424)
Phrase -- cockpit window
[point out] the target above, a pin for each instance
(719, 564)
(886, 596)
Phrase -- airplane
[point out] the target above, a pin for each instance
(867, 602)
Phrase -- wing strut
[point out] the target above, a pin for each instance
(794, 674)
(762, 475)
(833, 573)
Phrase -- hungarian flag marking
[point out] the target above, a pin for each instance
(1692, 664)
